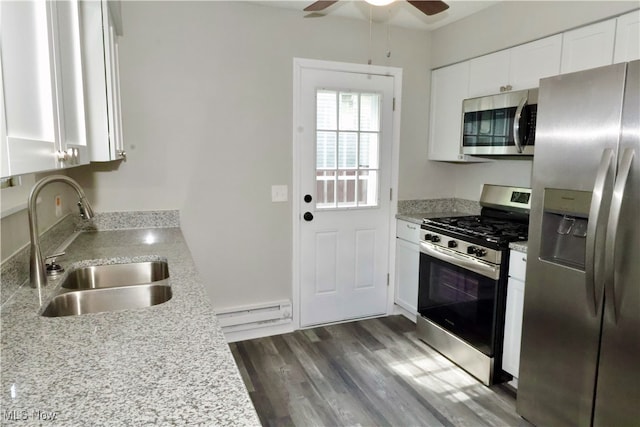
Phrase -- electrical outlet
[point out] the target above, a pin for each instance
(279, 193)
(58, 203)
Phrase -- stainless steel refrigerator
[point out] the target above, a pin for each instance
(580, 355)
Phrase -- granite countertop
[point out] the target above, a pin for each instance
(518, 246)
(417, 218)
(167, 364)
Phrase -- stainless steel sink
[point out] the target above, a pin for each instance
(108, 299)
(107, 276)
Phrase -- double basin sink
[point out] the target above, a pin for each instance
(112, 287)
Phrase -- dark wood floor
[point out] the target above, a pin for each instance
(372, 373)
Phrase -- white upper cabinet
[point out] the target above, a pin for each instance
(100, 54)
(517, 68)
(42, 87)
(448, 90)
(627, 38)
(588, 47)
(71, 102)
(533, 61)
(51, 55)
(489, 74)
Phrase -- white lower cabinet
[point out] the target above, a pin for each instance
(513, 315)
(407, 265)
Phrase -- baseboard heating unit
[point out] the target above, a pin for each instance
(252, 317)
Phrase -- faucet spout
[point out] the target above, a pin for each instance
(38, 276)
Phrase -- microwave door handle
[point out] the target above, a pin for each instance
(605, 172)
(612, 234)
(516, 124)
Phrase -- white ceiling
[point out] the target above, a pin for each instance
(399, 13)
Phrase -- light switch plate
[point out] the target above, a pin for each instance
(279, 193)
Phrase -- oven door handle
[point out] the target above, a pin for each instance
(477, 266)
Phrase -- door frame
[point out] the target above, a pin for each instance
(299, 64)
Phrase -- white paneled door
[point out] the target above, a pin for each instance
(345, 132)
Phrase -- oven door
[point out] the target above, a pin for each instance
(460, 294)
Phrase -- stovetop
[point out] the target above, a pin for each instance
(480, 229)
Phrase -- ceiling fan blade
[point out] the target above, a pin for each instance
(429, 7)
(319, 5)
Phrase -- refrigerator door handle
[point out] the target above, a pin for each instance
(612, 233)
(605, 173)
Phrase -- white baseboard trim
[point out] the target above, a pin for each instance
(406, 313)
(259, 331)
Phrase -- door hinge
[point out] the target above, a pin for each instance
(387, 279)
(394, 103)
(390, 194)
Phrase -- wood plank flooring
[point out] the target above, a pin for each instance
(372, 372)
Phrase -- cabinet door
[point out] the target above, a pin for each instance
(448, 90)
(627, 38)
(28, 77)
(588, 47)
(69, 80)
(532, 61)
(116, 143)
(4, 150)
(100, 53)
(513, 327)
(489, 74)
(407, 266)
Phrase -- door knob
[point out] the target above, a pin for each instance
(308, 216)
(308, 198)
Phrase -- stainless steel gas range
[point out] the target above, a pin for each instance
(463, 280)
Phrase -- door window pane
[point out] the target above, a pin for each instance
(349, 111)
(347, 149)
(325, 189)
(368, 151)
(325, 150)
(370, 112)
(346, 192)
(327, 109)
(368, 188)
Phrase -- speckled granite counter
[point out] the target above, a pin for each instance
(167, 364)
(418, 217)
(415, 210)
(519, 246)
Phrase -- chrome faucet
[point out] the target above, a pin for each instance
(38, 276)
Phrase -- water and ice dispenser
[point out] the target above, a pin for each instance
(564, 227)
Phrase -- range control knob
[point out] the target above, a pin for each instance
(452, 244)
(435, 239)
(471, 250)
(428, 236)
(481, 252)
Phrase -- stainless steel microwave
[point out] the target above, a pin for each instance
(500, 125)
